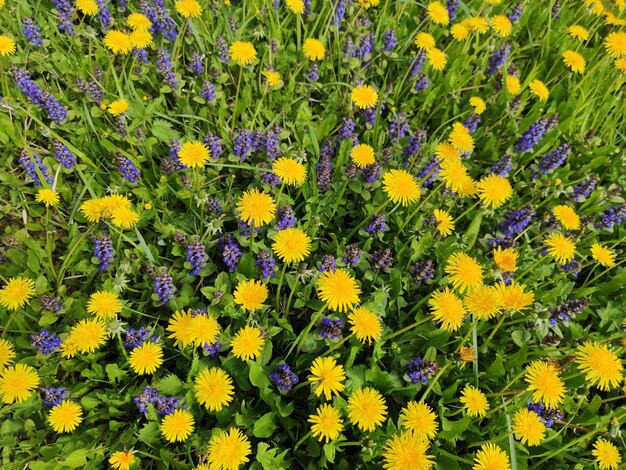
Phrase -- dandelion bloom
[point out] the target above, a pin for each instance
(560, 247)
(362, 155)
(228, 450)
(474, 401)
(256, 207)
(447, 309)
(466, 354)
(478, 104)
(364, 96)
(567, 217)
(124, 217)
(491, 457)
(180, 327)
(326, 423)
(194, 154)
(141, 39)
(494, 190)
(87, 7)
(178, 426)
(272, 77)
(367, 409)
(242, 52)
(545, 382)
(601, 365)
(620, 64)
(328, 376)
(7, 353)
(615, 44)
(445, 223)
(603, 255)
(313, 49)
(419, 418)
(539, 89)
(437, 58)
(365, 324)
(291, 244)
(484, 302)
(250, 294)
(247, 343)
(17, 383)
(138, 22)
(438, 13)
(66, 416)
(459, 31)
(118, 42)
(465, 272)
(290, 171)
(528, 427)
(513, 85)
(7, 45)
(296, 6)
(118, 107)
(477, 23)
(189, 8)
(574, 61)
(17, 292)
(514, 296)
(406, 450)
(578, 32)
(501, 25)
(88, 335)
(455, 177)
(146, 358)
(401, 186)
(122, 460)
(204, 328)
(338, 290)
(104, 305)
(506, 259)
(214, 389)
(446, 152)
(49, 197)
(425, 41)
(606, 454)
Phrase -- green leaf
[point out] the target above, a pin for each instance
(472, 232)
(268, 459)
(265, 426)
(149, 433)
(170, 385)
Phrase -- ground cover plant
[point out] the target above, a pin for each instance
(312, 234)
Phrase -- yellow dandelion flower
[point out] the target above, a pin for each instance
(514, 296)
(456, 178)
(401, 186)
(513, 85)
(291, 245)
(445, 223)
(438, 13)
(88, 335)
(611, 19)
(600, 364)
(194, 154)
(494, 190)
(228, 450)
(146, 359)
(87, 7)
(545, 382)
(250, 294)
(124, 217)
(501, 25)
(493, 2)
(272, 77)
(620, 64)
(478, 104)
(247, 343)
(477, 23)
(425, 41)
(138, 22)
(484, 301)
(446, 152)
(204, 328)
(567, 217)
(17, 383)
(296, 6)
(406, 450)
(574, 61)
(367, 409)
(474, 401)
(459, 31)
(189, 8)
(365, 324)
(118, 42)
(539, 89)
(17, 292)
(104, 305)
(362, 155)
(256, 207)
(419, 418)
(338, 290)
(122, 460)
(214, 389)
(528, 427)
(560, 247)
(364, 96)
(326, 423)
(466, 354)
(7, 353)
(578, 32)
(290, 171)
(448, 309)
(7, 45)
(49, 197)
(603, 255)
(141, 39)
(180, 327)
(506, 259)
(615, 44)
(436, 58)
(461, 139)
(178, 426)
(606, 454)
(328, 376)
(242, 52)
(367, 4)
(66, 416)
(464, 271)
(313, 49)
(491, 457)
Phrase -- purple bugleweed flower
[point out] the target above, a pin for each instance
(127, 168)
(164, 65)
(419, 371)
(313, 73)
(141, 55)
(352, 255)
(272, 142)
(414, 143)
(371, 172)
(286, 217)
(584, 188)
(366, 45)
(453, 7)
(567, 310)
(498, 58)
(502, 166)
(166, 405)
(346, 131)
(174, 149)
(324, 167)
(556, 10)
(103, 250)
(472, 123)
(64, 13)
(417, 64)
(160, 18)
(231, 253)
(370, 114)
(554, 159)
(135, 338)
(429, 171)
(515, 13)
(163, 286)
(266, 263)
(270, 178)
(31, 167)
(207, 91)
(213, 348)
(258, 141)
(398, 127)
(574, 267)
(284, 377)
(63, 154)
(423, 271)
(196, 64)
(214, 143)
(612, 216)
(377, 223)
(45, 342)
(349, 48)
(516, 220)
(53, 396)
(95, 91)
(44, 100)
(389, 40)
(548, 415)
(422, 83)
(245, 228)
(104, 15)
(196, 255)
(214, 205)
(120, 124)
(532, 135)
(147, 397)
(382, 259)
(340, 12)
(32, 32)
(50, 304)
(243, 144)
(331, 328)
(222, 48)
(328, 263)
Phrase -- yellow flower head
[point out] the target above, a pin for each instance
(365, 324)
(445, 223)
(494, 190)
(446, 152)
(118, 42)
(104, 305)
(477, 23)
(560, 247)
(17, 383)
(290, 171)
(401, 187)
(256, 207)
(567, 217)
(615, 44)
(87, 335)
(313, 49)
(545, 382)
(147, 358)
(326, 423)
(189, 8)
(124, 217)
(491, 457)
(272, 77)
(419, 418)
(437, 58)
(228, 450)
(603, 255)
(484, 302)
(501, 25)
(141, 39)
(338, 290)
(296, 6)
(247, 343)
(328, 376)
(367, 409)
(459, 31)
(578, 32)
(242, 52)
(118, 107)
(438, 13)
(606, 454)
(478, 103)
(122, 460)
(194, 154)
(49, 197)
(601, 365)
(7, 45)
(291, 245)
(364, 96)
(7, 353)
(214, 389)
(138, 22)
(461, 139)
(87, 7)
(17, 292)
(66, 416)
(250, 294)
(528, 427)
(574, 61)
(455, 177)
(506, 259)
(447, 309)
(464, 271)
(513, 85)
(362, 155)
(539, 89)
(474, 401)
(178, 426)
(514, 296)
(406, 450)
(425, 41)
